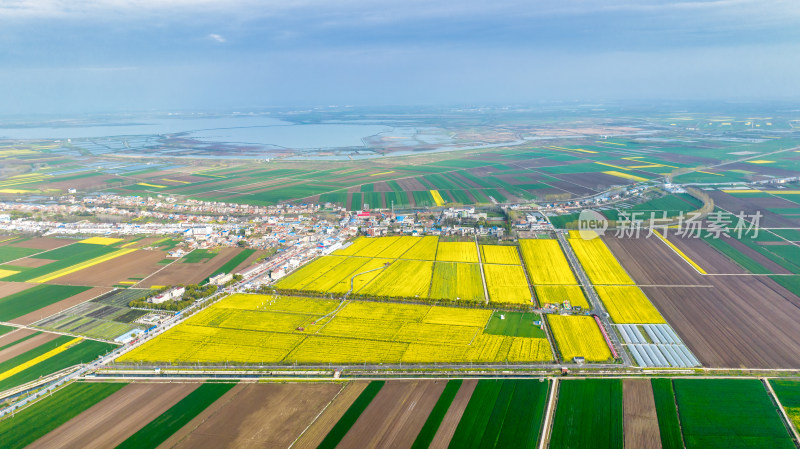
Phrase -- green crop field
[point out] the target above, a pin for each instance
(82, 352)
(589, 414)
(63, 257)
(502, 414)
(726, 413)
(161, 428)
(667, 413)
(788, 392)
(34, 298)
(340, 429)
(46, 415)
(6, 329)
(199, 255)
(436, 416)
(515, 324)
(9, 253)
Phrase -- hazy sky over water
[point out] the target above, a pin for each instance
(109, 55)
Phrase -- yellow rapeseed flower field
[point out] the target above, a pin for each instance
(306, 274)
(403, 278)
(356, 246)
(100, 240)
(437, 198)
(546, 262)
(500, 254)
(599, 263)
(579, 336)
(378, 246)
(263, 329)
(628, 305)
(507, 284)
(453, 281)
(457, 252)
(557, 294)
(425, 249)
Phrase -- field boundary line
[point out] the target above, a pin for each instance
(782, 410)
(547, 425)
(680, 253)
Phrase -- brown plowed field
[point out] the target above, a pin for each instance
(45, 243)
(30, 262)
(208, 412)
(639, 411)
(249, 261)
(115, 418)
(742, 321)
(450, 421)
(65, 304)
(189, 273)
(262, 416)
(9, 288)
(709, 259)
(139, 264)
(750, 206)
(396, 415)
(330, 416)
(25, 346)
(16, 334)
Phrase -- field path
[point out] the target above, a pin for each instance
(114, 419)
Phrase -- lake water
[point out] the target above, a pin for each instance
(242, 130)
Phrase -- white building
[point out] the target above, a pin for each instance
(168, 295)
(220, 279)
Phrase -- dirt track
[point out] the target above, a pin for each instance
(394, 418)
(742, 321)
(640, 419)
(448, 427)
(27, 345)
(114, 419)
(262, 416)
(59, 306)
(325, 422)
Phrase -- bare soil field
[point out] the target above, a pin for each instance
(114, 419)
(330, 416)
(451, 419)
(189, 273)
(16, 334)
(139, 264)
(30, 262)
(752, 205)
(639, 414)
(65, 304)
(9, 288)
(45, 243)
(571, 187)
(209, 411)
(411, 184)
(81, 183)
(262, 416)
(394, 418)
(741, 321)
(708, 258)
(27, 345)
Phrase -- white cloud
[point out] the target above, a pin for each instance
(216, 37)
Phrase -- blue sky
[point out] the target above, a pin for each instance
(61, 56)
